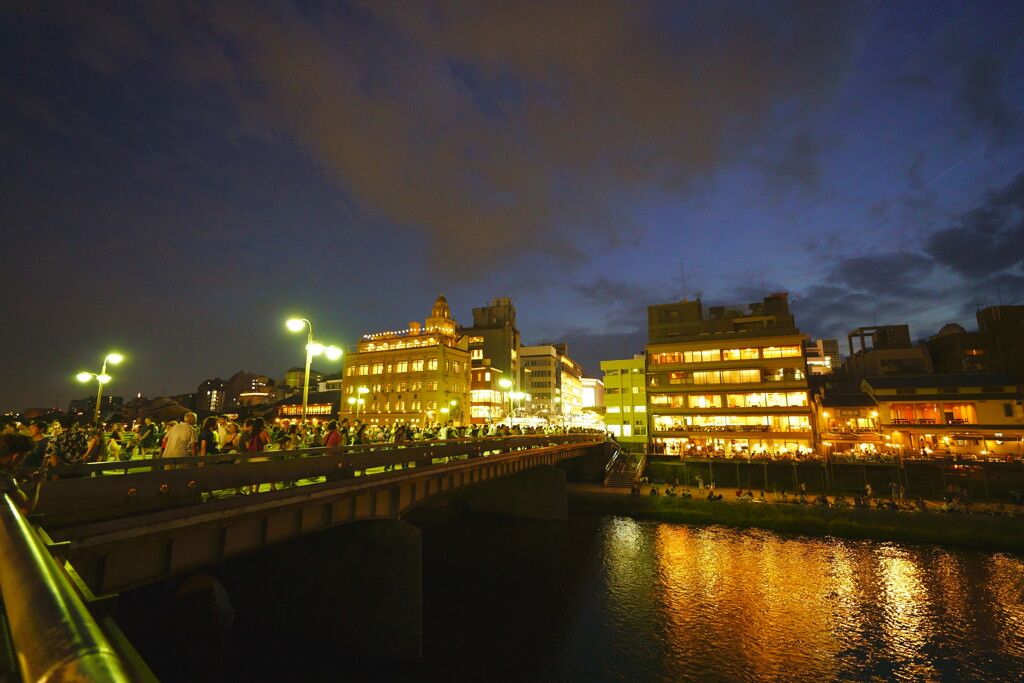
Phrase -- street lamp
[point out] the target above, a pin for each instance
(505, 384)
(101, 379)
(353, 401)
(312, 349)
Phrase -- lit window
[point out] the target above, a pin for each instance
(431, 364)
(401, 366)
(417, 366)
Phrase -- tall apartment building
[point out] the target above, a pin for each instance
(625, 401)
(210, 396)
(729, 382)
(553, 381)
(419, 375)
(494, 340)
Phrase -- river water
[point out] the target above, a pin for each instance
(616, 599)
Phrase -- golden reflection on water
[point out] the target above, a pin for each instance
(754, 605)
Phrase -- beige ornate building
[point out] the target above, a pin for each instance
(419, 375)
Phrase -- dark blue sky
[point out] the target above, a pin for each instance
(179, 178)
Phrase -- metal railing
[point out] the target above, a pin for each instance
(55, 637)
(89, 492)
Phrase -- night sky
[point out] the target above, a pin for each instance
(180, 178)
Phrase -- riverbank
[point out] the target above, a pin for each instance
(978, 531)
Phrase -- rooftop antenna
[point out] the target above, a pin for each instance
(682, 274)
(999, 294)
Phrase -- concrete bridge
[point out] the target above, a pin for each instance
(123, 525)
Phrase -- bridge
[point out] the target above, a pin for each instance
(119, 525)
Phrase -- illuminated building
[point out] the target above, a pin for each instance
(322, 406)
(593, 393)
(487, 399)
(295, 377)
(974, 415)
(210, 396)
(731, 382)
(493, 339)
(625, 401)
(416, 375)
(848, 424)
(553, 383)
(822, 356)
(248, 389)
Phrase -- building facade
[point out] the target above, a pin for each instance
(729, 383)
(420, 375)
(929, 416)
(625, 401)
(494, 339)
(553, 383)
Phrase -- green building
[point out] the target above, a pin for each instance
(625, 401)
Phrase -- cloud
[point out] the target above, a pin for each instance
(990, 237)
(796, 162)
(897, 274)
(510, 127)
(981, 95)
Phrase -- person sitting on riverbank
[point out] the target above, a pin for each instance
(821, 500)
(654, 491)
(859, 502)
(921, 505)
(685, 494)
(840, 502)
(670, 491)
(712, 496)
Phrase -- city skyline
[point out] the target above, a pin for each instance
(181, 180)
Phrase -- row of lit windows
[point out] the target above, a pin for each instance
(319, 409)
(401, 406)
(401, 344)
(616, 390)
(418, 365)
(746, 376)
(938, 413)
(777, 399)
(401, 387)
(626, 430)
(739, 423)
(714, 355)
(625, 409)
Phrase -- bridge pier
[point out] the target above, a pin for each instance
(370, 591)
(536, 493)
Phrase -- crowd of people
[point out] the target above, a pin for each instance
(66, 441)
(957, 498)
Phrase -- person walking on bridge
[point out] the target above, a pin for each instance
(181, 438)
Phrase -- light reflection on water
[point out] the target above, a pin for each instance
(716, 603)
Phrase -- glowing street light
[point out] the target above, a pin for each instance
(353, 401)
(101, 379)
(312, 349)
(505, 385)
(358, 401)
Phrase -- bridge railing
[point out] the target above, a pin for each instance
(55, 636)
(90, 492)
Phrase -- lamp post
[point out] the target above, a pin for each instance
(353, 401)
(312, 349)
(101, 379)
(505, 385)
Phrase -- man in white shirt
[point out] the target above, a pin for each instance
(222, 432)
(181, 438)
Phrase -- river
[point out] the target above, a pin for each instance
(615, 599)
